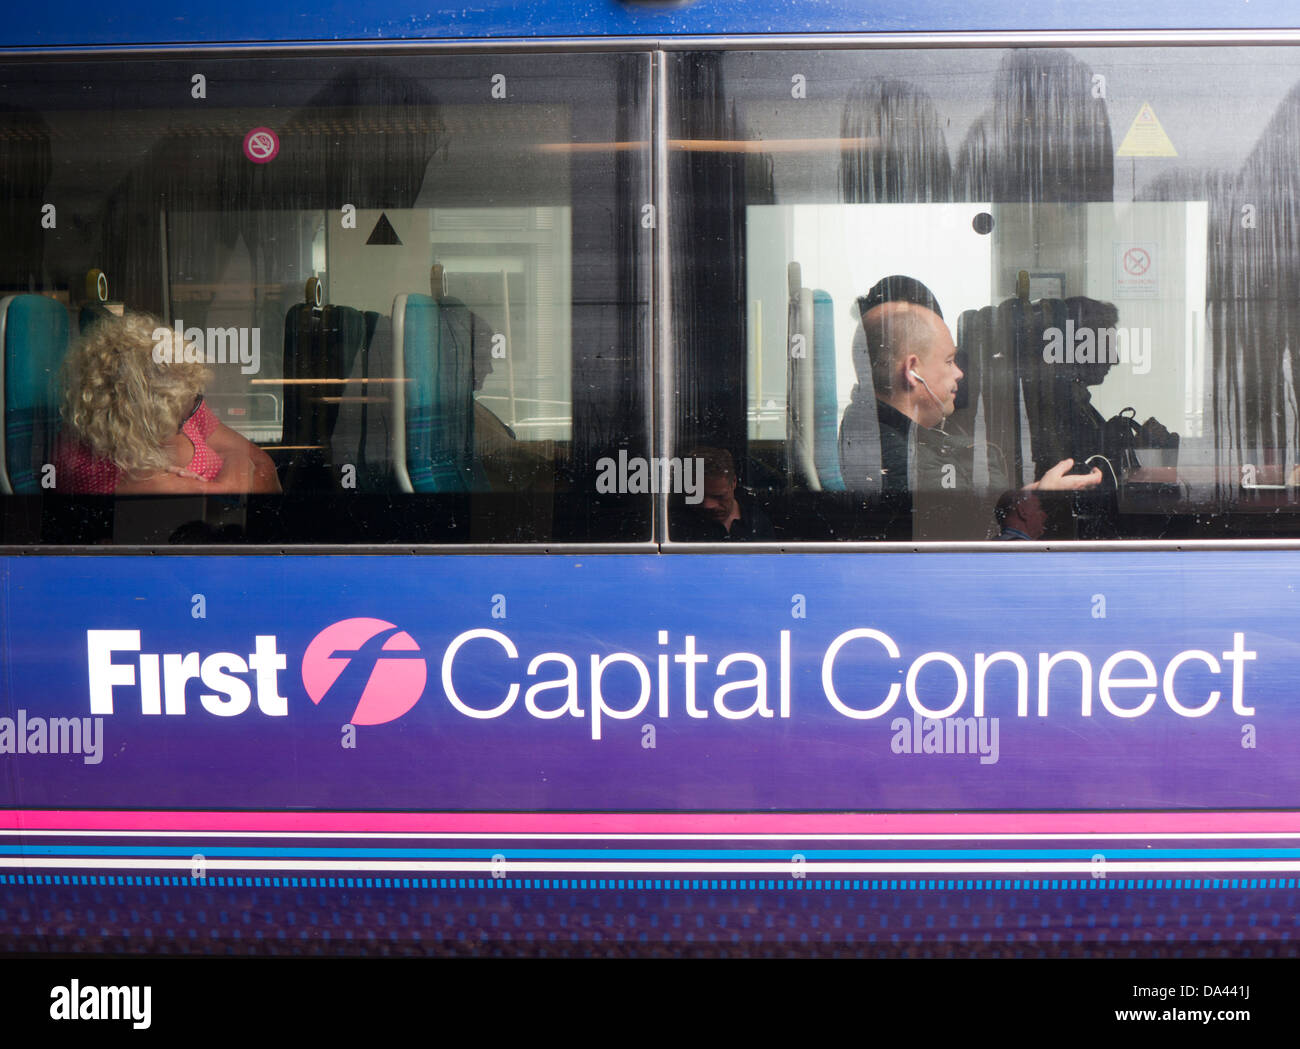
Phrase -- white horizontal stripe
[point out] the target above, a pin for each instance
(784, 869)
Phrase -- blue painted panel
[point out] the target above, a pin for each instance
(1216, 730)
(79, 22)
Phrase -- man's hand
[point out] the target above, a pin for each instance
(1059, 479)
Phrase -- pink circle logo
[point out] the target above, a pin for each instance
(369, 658)
(261, 145)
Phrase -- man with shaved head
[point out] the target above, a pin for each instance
(915, 375)
(909, 361)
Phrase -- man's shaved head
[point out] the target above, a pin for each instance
(893, 330)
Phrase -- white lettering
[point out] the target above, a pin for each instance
(104, 673)
(449, 657)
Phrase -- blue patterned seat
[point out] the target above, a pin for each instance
(434, 423)
(34, 339)
(826, 409)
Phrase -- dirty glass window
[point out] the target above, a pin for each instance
(289, 300)
(1092, 330)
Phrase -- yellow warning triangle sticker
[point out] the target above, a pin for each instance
(1146, 138)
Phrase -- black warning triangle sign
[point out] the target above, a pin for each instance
(383, 233)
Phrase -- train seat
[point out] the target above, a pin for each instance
(812, 413)
(321, 347)
(434, 401)
(995, 346)
(826, 410)
(859, 437)
(33, 342)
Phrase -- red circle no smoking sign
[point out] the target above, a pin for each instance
(261, 145)
(1137, 261)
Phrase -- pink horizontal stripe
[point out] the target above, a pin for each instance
(657, 823)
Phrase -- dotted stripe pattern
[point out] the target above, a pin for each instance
(157, 914)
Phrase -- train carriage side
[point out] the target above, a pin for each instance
(730, 484)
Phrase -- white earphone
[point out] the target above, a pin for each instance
(943, 408)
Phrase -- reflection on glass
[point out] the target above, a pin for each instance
(322, 389)
(1111, 238)
(427, 305)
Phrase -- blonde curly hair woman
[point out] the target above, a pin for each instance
(135, 422)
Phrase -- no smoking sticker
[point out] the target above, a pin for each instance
(1135, 270)
(261, 145)
(1137, 261)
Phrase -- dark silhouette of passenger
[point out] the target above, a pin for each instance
(1058, 398)
(1020, 515)
(726, 512)
(1072, 352)
(506, 462)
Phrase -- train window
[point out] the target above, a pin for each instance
(958, 295)
(290, 300)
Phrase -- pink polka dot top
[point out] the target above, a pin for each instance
(80, 471)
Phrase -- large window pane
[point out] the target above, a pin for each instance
(420, 288)
(1106, 234)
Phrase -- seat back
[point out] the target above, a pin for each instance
(812, 407)
(800, 399)
(33, 343)
(826, 411)
(1009, 408)
(979, 358)
(320, 343)
(860, 460)
(1047, 410)
(433, 401)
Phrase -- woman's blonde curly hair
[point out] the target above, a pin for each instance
(121, 402)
